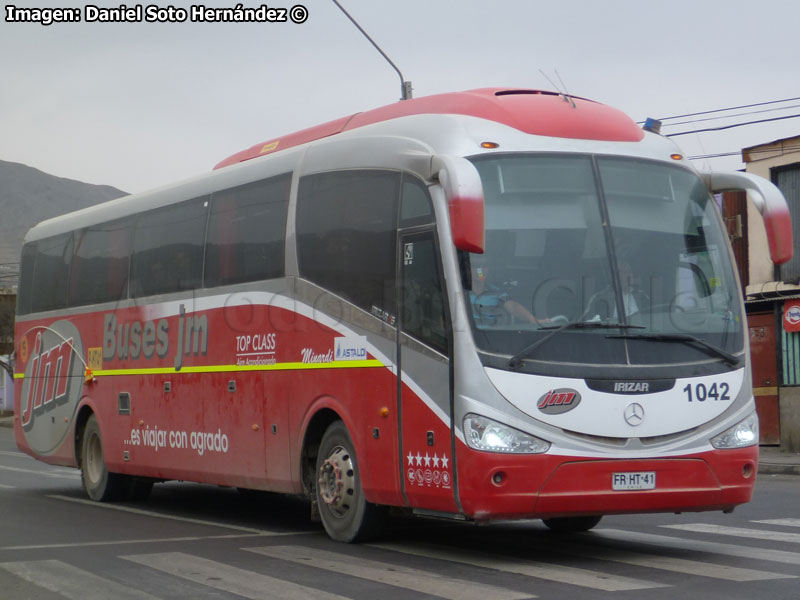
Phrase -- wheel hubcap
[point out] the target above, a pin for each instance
(337, 481)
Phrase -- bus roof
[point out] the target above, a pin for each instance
(531, 111)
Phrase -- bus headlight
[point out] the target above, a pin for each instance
(744, 433)
(488, 435)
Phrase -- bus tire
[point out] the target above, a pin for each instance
(572, 524)
(100, 485)
(345, 513)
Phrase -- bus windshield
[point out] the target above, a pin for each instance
(616, 261)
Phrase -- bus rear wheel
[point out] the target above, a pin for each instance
(99, 483)
(572, 524)
(345, 513)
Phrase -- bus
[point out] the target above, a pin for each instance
(491, 304)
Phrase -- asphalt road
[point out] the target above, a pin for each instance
(205, 542)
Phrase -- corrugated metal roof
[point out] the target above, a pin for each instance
(771, 299)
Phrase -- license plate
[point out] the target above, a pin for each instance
(644, 480)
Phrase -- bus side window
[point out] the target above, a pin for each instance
(246, 232)
(25, 289)
(415, 205)
(100, 265)
(346, 235)
(168, 248)
(51, 273)
(423, 300)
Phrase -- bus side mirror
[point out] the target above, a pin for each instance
(464, 192)
(769, 201)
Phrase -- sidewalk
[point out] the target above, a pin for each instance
(771, 461)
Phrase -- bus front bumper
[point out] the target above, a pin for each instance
(547, 486)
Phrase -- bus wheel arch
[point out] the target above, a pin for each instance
(80, 425)
(100, 484)
(312, 438)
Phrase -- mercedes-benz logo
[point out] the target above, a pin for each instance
(634, 414)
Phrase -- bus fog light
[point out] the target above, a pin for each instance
(741, 435)
(485, 434)
(499, 478)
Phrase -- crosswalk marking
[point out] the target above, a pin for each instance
(785, 522)
(756, 534)
(669, 563)
(408, 578)
(541, 570)
(227, 578)
(71, 582)
(664, 541)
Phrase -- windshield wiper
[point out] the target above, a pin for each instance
(729, 358)
(516, 360)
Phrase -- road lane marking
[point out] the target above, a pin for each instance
(135, 541)
(540, 570)
(7, 487)
(150, 513)
(756, 534)
(783, 522)
(663, 541)
(390, 574)
(15, 454)
(227, 578)
(71, 582)
(61, 474)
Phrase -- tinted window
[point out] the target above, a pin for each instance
(26, 278)
(168, 249)
(415, 206)
(50, 273)
(423, 301)
(346, 235)
(100, 265)
(246, 232)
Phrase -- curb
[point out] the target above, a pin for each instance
(778, 469)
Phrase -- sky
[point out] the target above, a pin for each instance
(139, 105)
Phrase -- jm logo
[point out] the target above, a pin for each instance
(634, 414)
(48, 379)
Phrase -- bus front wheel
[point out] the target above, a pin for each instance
(100, 485)
(345, 513)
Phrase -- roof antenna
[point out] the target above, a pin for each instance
(563, 94)
(566, 93)
(405, 86)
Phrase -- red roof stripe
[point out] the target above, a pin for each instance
(531, 111)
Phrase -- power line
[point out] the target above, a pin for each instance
(743, 114)
(732, 126)
(708, 112)
(738, 152)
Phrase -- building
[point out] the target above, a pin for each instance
(6, 388)
(772, 293)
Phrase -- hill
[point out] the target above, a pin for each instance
(28, 196)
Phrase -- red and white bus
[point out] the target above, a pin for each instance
(491, 304)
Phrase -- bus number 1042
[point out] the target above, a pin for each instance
(700, 392)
